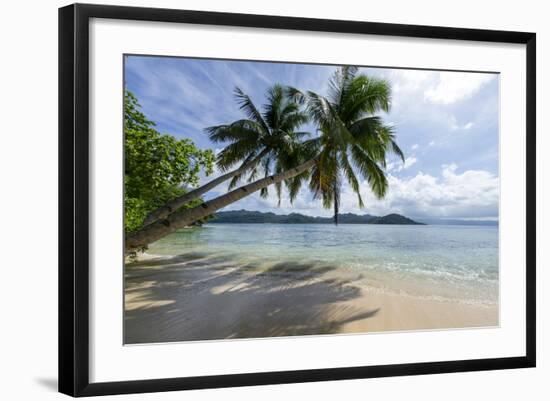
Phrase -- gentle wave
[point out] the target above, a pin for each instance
(435, 262)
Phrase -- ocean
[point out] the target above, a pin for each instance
(448, 263)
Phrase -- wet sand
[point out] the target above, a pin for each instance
(208, 297)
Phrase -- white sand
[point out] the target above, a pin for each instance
(205, 298)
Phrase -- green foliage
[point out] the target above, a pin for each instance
(351, 137)
(156, 165)
(267, 140)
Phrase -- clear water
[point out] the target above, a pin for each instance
(457, 263)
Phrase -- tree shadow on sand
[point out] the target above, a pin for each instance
(208, 296)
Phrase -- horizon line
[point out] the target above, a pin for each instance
(462, 219)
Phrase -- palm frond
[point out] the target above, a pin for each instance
(370, 171)
(365, 95)
(273, 109)
(235, 152)
(295, 95)
(320, 110)
(234, 181)
(266, 166)
(350, 175)
(371, 136)
(240, 129)
(250, 109)
(279, 192)
(292, 121)
(339, 84)
(394, 148)
(252, 159)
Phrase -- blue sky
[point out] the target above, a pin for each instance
(446, 123)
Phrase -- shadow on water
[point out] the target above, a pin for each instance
(208, 296)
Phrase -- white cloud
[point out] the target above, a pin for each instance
(470, 194)
(414, 147)
(391, 166)
(409, 161)
(454, 86)
(456, 126)
(438, 87)
(449, 167)
(432, 143)
(406, 81)
(399, 166)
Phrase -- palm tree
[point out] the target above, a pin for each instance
(255, 142)
(349, 135)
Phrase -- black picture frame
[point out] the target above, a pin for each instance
(74, 198)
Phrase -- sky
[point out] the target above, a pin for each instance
(446, 123)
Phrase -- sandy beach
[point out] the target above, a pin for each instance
(207, 297)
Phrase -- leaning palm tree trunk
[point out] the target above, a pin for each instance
(180, 219)
(165, 210)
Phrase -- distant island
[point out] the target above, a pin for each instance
(252, 217)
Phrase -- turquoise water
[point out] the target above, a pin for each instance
(458, 263)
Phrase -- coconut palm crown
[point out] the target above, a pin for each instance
(270, 136)
(350, 136)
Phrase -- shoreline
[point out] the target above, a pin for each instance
(197, 297)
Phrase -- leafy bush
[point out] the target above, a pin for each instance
(157, 166)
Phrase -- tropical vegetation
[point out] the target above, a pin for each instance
(351, 141)
(157, 167)
(256, 142)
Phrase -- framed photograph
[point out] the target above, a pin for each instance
(250, 199)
